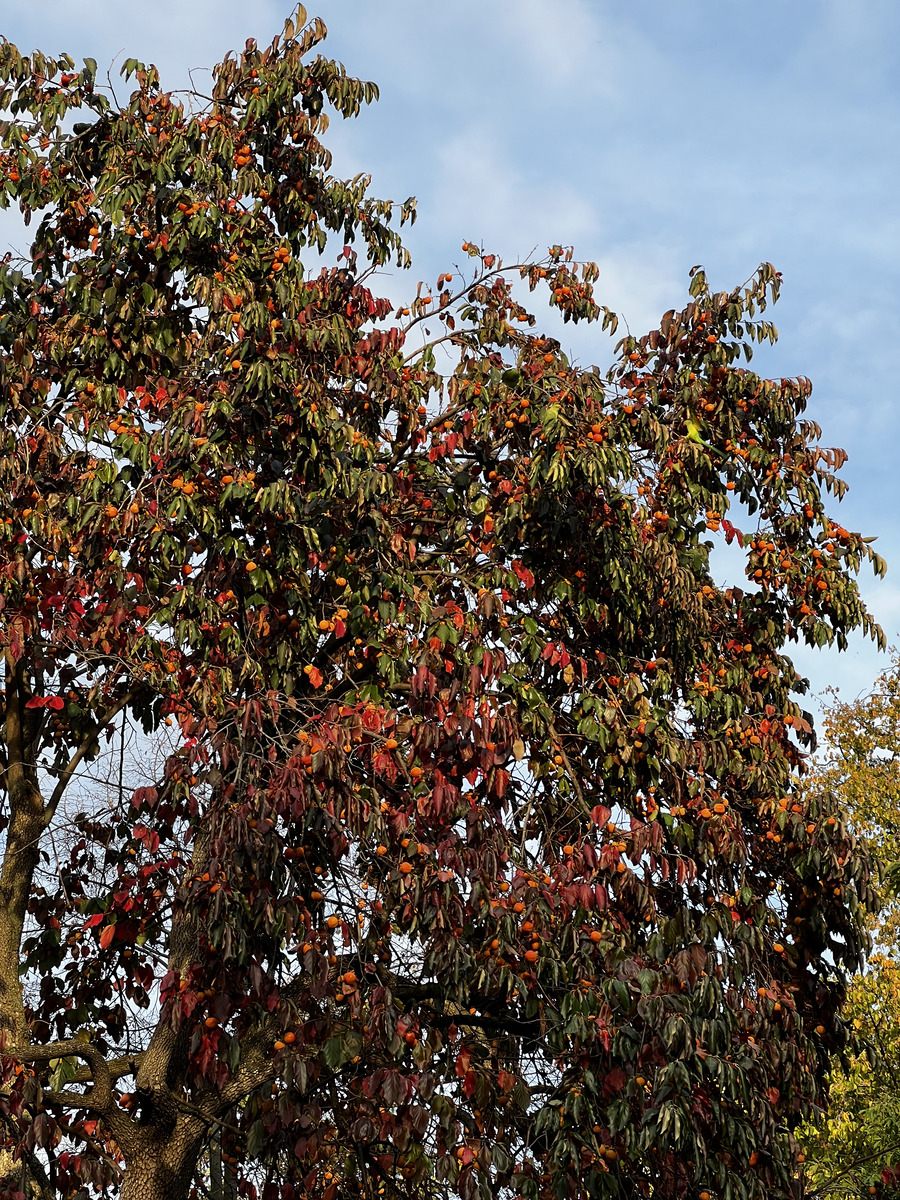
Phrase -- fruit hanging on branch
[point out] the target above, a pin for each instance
(393, 799)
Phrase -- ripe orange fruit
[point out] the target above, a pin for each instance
(333, 922)
(210, 1022)
(405, 868)
(596, 935)
(568, 850)
(531, 955)
(290, 1037)
(279, 1045)
(251, 566)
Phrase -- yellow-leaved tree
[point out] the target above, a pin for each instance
(856, 1149)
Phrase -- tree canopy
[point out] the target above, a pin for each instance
(394, 802)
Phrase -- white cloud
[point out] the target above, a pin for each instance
(174, 35)
(652, 136)
(488, 196)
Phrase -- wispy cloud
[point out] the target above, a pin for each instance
(651, 135)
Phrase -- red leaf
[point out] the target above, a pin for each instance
(56, 703)
(107, 936)
(500, 782)
(615, 1081)
(316, 677)
(37, 702)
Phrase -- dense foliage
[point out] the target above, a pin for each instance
(855, 1149)
(475, 861)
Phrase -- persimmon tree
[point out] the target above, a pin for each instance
(476, 862)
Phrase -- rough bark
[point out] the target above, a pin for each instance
(162, 1160)
(20, 859)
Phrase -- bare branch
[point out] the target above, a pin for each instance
(72, 765)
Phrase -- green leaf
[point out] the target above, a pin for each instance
(340, 1050)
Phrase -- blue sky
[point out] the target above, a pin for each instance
(651, 136)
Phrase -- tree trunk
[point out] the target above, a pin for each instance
(161, 1166)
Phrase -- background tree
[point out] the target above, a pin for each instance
(477, 864)
(856, 1148)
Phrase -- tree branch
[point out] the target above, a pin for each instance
(849, 1170)
(100, 1096)
(72, 765)
(118, 1068)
